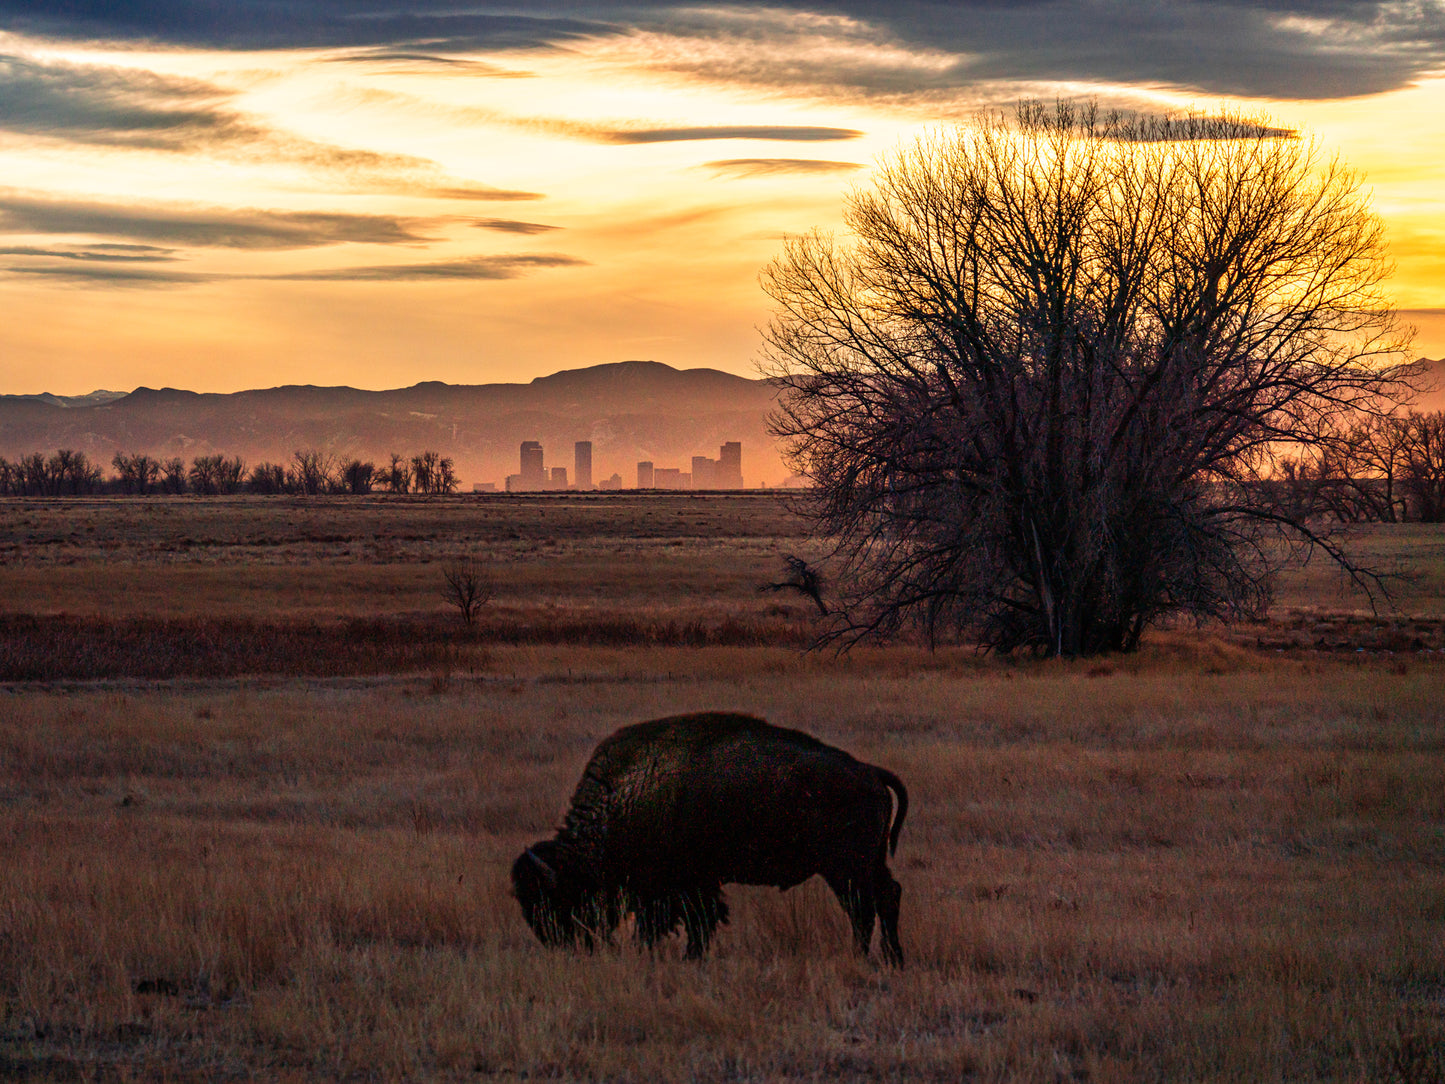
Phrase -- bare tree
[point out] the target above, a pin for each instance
(267, 478)
(1039, 392)
(423, 471)
(1423, 480)
(445, 478)
(468, 586)
(398, 475)
(173, 475)
(136, 473)
(312, 471)
(356, 476)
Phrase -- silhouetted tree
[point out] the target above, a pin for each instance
(173, 475)
(468, 586)
(423, 471)
(1040, 391)
(445, 478)
(398, 475)
(269, 478)
(312, 472)
(356, 476)
(1423, 477)
(136, 473)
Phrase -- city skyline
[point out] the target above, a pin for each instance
(534, 475)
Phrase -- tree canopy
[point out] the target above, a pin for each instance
(1039, 388)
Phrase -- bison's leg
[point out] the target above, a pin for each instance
(889, 892)
(857, 899)
(702, 910)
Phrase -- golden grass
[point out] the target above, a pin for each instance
(1157, 873)
(273, 843)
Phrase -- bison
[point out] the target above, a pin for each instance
(669, 811)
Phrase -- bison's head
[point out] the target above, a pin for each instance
(560, 906)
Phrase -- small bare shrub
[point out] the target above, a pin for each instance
(467, 586)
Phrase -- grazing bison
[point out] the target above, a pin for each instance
(669, 811)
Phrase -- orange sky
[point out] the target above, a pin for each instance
(228, 214)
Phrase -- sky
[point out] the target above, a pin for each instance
(229, 194)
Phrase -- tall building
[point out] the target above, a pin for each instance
(583, 473)
(534, 476)
(558, 479)
(729, 472)
(644, 474)
(704, 472)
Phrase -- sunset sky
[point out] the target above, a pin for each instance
(233, 194)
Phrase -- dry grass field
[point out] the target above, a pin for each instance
(260, 790)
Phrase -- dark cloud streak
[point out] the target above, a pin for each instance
(762, 167)
(508, 225)
(239, 229)
(784, 133)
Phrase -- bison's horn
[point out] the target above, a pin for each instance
(547, 871)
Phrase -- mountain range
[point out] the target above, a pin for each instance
(630, 411)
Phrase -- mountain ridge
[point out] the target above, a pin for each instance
(630, 410)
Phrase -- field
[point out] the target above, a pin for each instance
(260, 789)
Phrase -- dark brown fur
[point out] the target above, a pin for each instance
(669, 811)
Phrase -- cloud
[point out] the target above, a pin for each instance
(465, 192)
(483, 268)
(307, 24)
(761, 167)
(468, 267)
(909, 48)
(139, 110)
(116, 106)
(802, 134)
(103, 253)
(399, 60)
(507, 225)
(115, 276)
(208, 227)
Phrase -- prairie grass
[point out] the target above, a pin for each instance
(1158, 873)
(260, 790)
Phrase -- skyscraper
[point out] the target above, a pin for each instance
(533, 474)
(644, 474)
(583, 473)
(729, 472)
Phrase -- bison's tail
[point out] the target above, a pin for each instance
(896, 786)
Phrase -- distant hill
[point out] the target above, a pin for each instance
(631, 410)
(95, 398)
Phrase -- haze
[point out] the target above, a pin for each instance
(240, 195)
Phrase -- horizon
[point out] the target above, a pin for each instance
(267, 196)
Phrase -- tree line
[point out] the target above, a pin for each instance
(1387, 468)
(66, 473)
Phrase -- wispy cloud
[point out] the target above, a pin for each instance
(1277, 48)
(781, 132)
(508, 225)
(101, 253)
(139, 110)
(479, 268)
(762, 167)
(402, 61)
(208, 227)
(467, 267)
(115, 106)
(114, 276)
